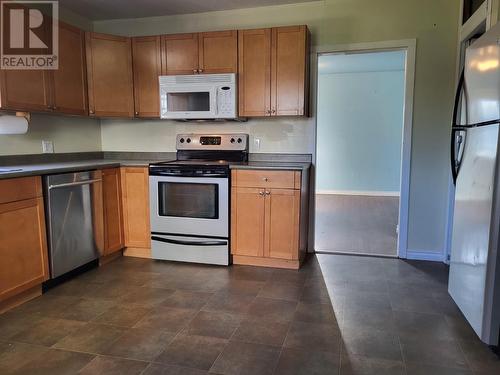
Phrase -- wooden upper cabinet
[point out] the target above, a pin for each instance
(179, 54)
(146, 61)
(218, 52)
(25, 90)
(273, 71)
(254, 61)
(109, 74)
(69, 81)
(289, 71)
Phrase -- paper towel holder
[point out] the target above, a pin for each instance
(26, 115)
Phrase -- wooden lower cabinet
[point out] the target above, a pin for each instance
(23, 243)
(135, 203)
(267, 220)
(113, 218)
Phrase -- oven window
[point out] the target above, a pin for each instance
(188, 101)
(188, 200)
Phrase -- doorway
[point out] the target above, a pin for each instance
(362, 166)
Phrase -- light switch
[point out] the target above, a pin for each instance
(47, 147)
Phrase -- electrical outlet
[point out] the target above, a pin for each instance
(256, 144)
(47, 147)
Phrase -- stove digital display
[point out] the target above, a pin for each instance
(210, 141)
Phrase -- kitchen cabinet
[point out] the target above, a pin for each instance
(25, 90)
(254, 73)
(208, 52)
(135, 203)
(23, 243)
(113, 218)
(268, 218)
(109, 75)
(179, 54)
(69, 82)
(146, 62)
(273, 71)
(63, 90)
(218, 52)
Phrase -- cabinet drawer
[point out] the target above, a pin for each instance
(16, 189)
(265, 178)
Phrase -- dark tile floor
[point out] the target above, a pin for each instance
(338, 315)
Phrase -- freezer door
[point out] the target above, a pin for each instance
(471, 226)
(482, 78)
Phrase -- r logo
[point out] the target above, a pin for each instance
(29, 34)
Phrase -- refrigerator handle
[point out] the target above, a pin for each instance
(456, 127)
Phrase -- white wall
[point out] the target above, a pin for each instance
(69, 134)
(360, 122)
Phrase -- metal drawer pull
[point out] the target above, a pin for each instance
(79, 183)
(265, 179)
(268, 193)
(189, 243)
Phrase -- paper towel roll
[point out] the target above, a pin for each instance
(13, 125)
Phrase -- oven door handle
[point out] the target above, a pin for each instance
(189, 243)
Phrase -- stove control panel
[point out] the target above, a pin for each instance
(229, 142)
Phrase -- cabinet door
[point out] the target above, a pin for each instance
(69, 82)
(282, 224)
(146, 60)
(25, 90)
(254, 61)
(23, 246)
(218, 52)
(180, 54)
(288, 73)
(135, 202)
(247, 222)
(112, 196)
(109, 74)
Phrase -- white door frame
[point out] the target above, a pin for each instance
(410, 46)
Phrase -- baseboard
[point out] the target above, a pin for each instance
(359, 192)
(137, 252)
(110, 257)
(20, 298)
(425, 255)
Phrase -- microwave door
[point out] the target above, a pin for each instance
(187, 103)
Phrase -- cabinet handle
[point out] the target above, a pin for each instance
(268, 193)
(54, 108)
(200, 70)
(265, 179)
(268, 111)
(92, 111)
(273, 111)
(195, 71)
(137, 113)
(262, 193)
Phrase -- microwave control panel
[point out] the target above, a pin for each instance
(226, 102)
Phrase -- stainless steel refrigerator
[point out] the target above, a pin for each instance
(474, 280)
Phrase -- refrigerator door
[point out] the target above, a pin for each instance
(471, 225)
(482, 78)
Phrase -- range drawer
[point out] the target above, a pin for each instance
(265, 178)
(18, 189)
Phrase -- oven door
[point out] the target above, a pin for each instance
(189, 205)
(177, 102)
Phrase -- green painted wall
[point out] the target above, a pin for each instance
(433, 23)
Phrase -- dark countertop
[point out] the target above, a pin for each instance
(72, 166)
(32, 168)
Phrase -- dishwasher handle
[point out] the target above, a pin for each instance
(78, 183)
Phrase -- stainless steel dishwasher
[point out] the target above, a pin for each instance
(75, 219)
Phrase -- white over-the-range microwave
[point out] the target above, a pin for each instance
(199, 96)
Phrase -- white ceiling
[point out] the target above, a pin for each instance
(113, 9)
(362, 62)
